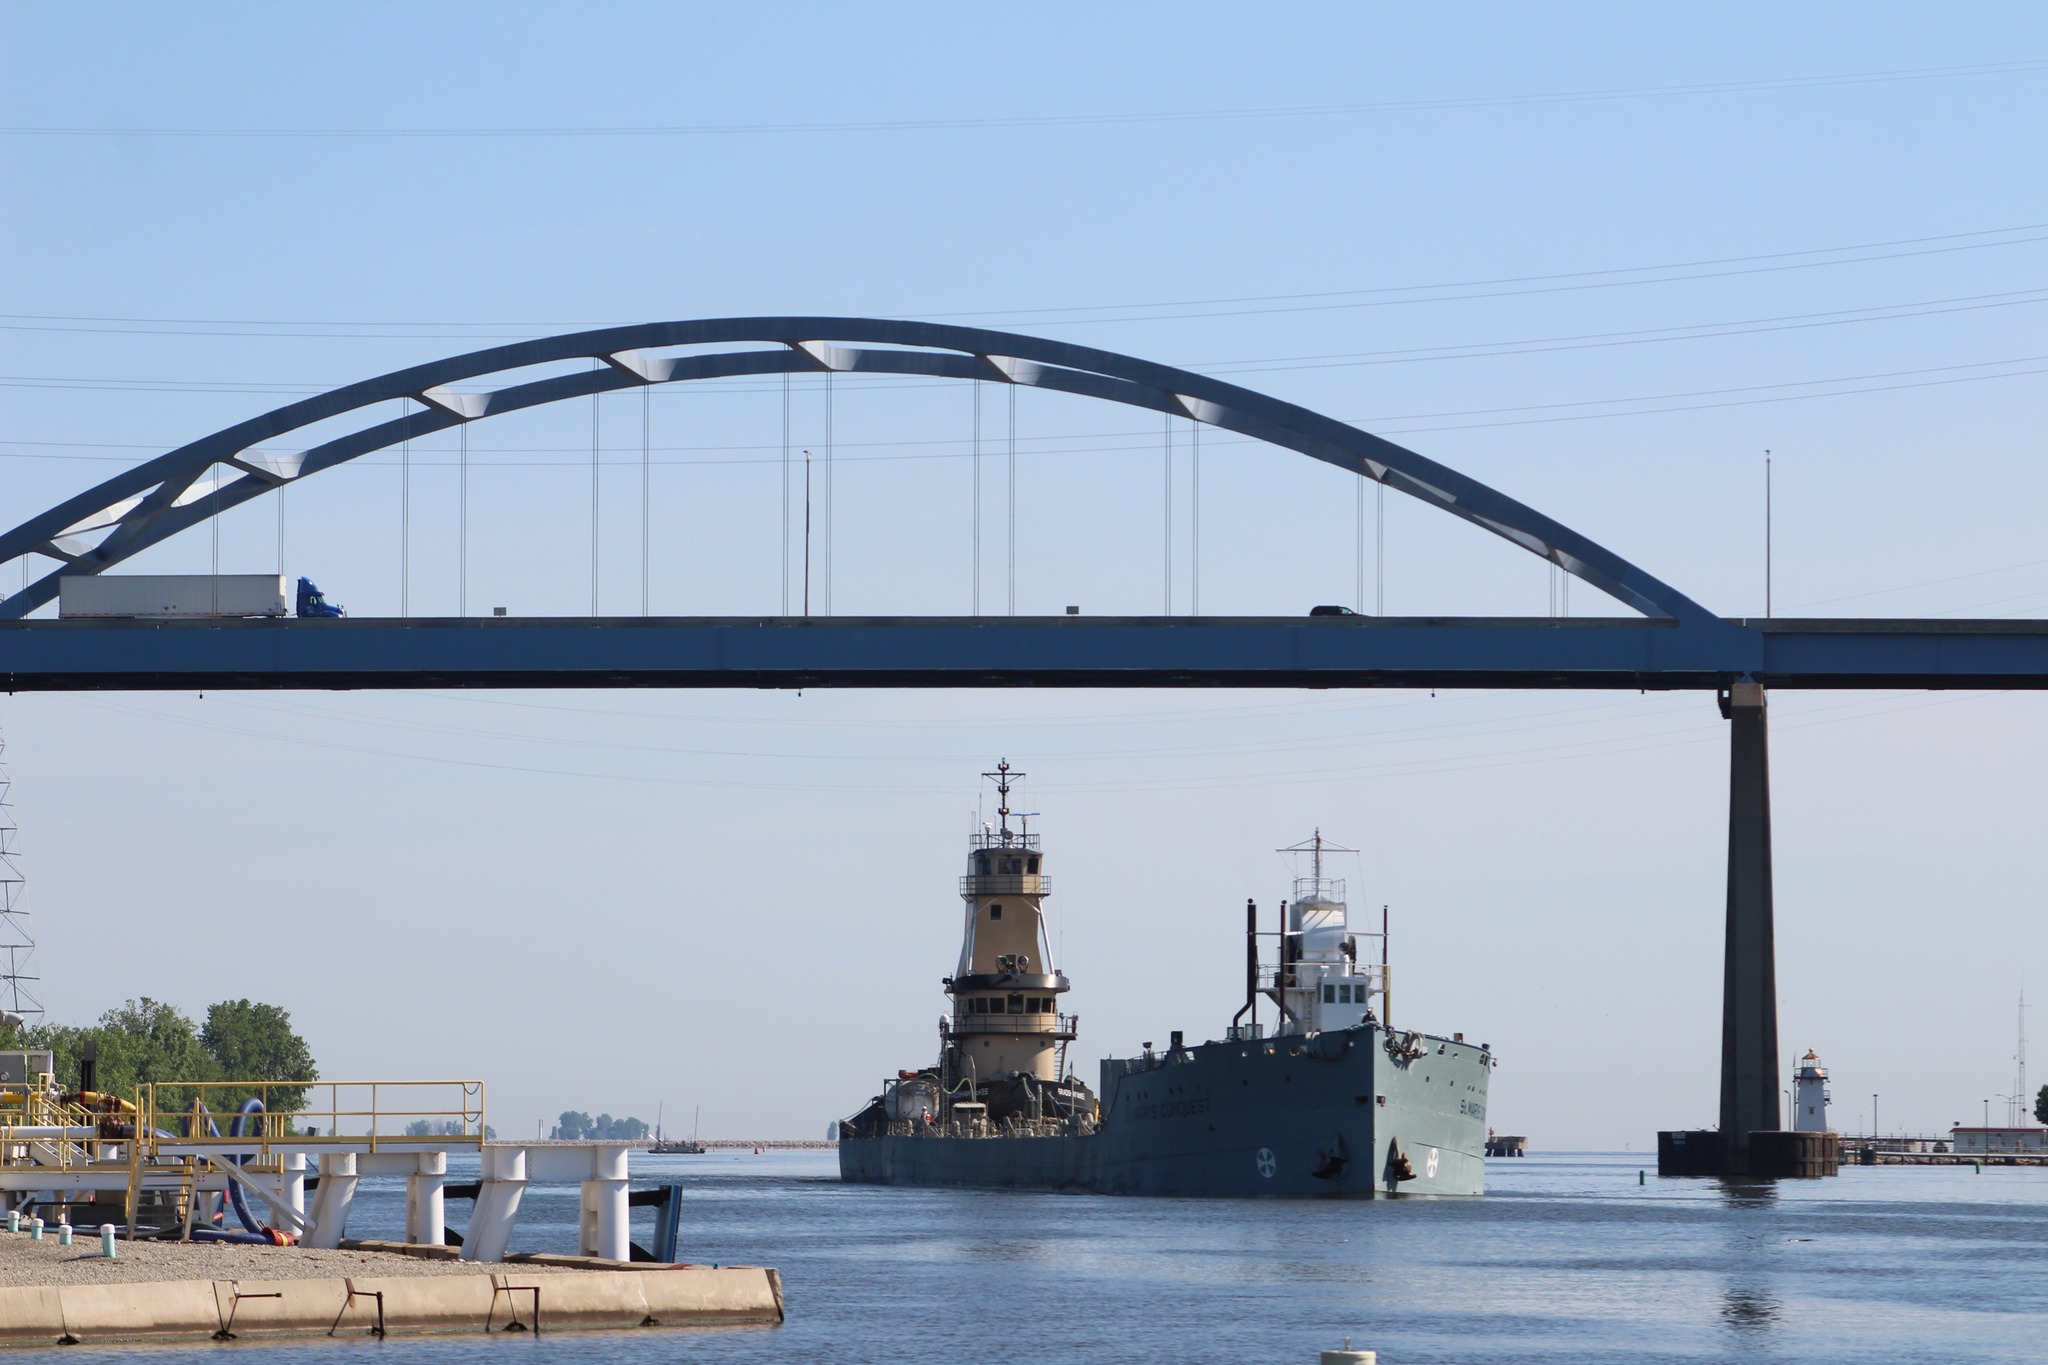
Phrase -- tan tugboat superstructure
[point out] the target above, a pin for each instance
(1006, 1022)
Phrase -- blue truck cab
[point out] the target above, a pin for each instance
(312, 602)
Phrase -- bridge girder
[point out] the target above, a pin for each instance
(1059, 651)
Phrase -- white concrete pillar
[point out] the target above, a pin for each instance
(426, 1220)
(604, 1225)
(291, 1183)
(497, 1204)
(332, 1200)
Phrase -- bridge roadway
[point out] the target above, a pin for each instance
(1057, 651)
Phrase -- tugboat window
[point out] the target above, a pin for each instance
(1016, 1004)
(1329, 995)
(981, 863)
(1033, 866)
(995, 912)
(1344, 995)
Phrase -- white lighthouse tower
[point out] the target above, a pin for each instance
(1810, 1095)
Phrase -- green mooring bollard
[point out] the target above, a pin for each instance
(14, 1220)
(35, 1229)
(1639, 1179)
(107, 1240)
(63, 1234)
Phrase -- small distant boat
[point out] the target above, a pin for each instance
(688, 1146)
(677, 1147)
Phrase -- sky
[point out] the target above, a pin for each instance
(1601, 257)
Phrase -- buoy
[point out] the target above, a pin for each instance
(107, 1240)
(1639, 1179)
(1347, 1356)
(63, 1234)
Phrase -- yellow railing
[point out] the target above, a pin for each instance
(319, 1113)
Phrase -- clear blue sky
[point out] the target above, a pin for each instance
(1599, 256)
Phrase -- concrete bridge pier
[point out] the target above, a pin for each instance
(1749, 986)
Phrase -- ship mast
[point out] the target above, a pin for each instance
(1001, 777)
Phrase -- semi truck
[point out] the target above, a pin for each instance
(179, 596)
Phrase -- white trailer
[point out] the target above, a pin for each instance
(171, 595)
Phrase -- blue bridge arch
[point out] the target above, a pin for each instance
(154, 501)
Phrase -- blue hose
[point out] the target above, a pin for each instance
(252, 1105)
(236, 1198)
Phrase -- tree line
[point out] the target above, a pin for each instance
(146, 1040)
(579, 1127)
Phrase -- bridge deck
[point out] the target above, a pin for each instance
(1058, 651)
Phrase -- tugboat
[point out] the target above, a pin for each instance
(1332, 1102)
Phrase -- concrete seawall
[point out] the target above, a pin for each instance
(201, 1310)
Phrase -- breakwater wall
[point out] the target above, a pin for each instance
(506, 1300)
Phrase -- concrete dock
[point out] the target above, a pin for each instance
(184, 1292)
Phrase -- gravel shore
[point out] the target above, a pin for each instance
(27, 1262)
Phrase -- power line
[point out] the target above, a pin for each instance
(2022, 66)
(1478, 350)
(519, 329)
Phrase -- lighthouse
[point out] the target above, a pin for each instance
(1006, 1025)
(1810, 1095)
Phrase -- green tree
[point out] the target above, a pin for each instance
(250, 1041)
(2041, 1105)
(573, 1125)
(140, 1042)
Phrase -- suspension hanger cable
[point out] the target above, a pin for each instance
(404, 521)
(1358, 540)
(462, 521)
(827, 603)
(1195, 522)
(1013, 501)
(785, 493)
(975, 459)
(1166, 502)
(595, 468)
(1379, 545)
(646, 484)
(215, 519)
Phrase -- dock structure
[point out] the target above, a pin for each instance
(162, 1159)
(1506, 1145)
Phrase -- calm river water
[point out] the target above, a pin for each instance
(1567, 1258)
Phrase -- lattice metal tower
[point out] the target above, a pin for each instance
(20, 988)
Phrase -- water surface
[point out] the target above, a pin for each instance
(1567, 1258)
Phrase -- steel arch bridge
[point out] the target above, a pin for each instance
(144, 506)
(1673, 642)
